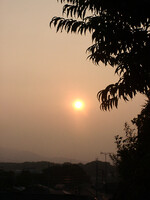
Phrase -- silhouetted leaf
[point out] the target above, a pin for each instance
(121, 38)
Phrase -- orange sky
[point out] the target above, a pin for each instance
(41, 74)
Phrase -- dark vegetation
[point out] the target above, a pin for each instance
(133, 158)
(57, 179)
(51, 174)
(120, 32)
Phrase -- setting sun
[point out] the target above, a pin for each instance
(78, 105)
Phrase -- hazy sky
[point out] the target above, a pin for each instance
(41, 74)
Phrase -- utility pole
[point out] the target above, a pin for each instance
(96, 181)
(105, 175)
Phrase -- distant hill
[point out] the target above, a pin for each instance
(63, 160)
(91, 167)
(97, 170)
(25, 166)
(12, 155)
(19, 156)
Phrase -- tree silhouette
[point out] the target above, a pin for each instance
(133, 158)
(121, 38)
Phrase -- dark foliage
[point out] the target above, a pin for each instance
(133, 158)
(6, 179)
(68, 174)
(121, 38)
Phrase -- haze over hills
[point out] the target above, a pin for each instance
(13, 155)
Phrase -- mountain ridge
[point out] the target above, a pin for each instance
(19, 156)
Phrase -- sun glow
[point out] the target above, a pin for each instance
(78, 105)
